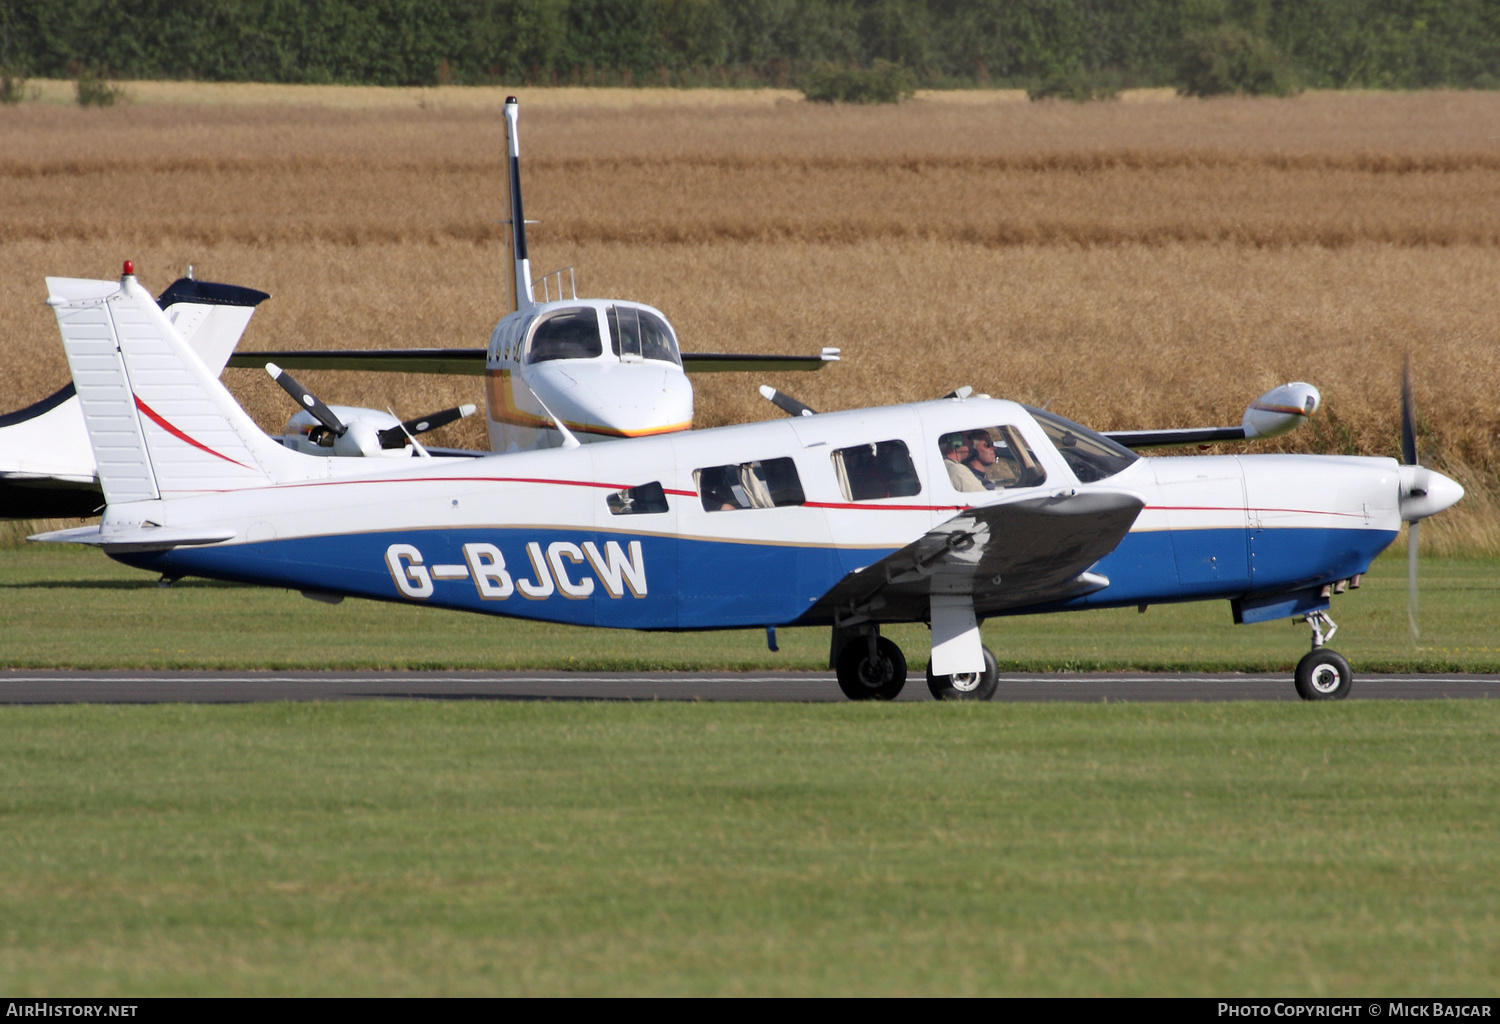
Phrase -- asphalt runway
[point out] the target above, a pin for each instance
(125, 687)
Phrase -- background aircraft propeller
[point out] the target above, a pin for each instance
(395, 437)
(307, 400)
(786, 403)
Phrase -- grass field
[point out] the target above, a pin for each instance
(70, 608)
(1136, 264)
(502, 848)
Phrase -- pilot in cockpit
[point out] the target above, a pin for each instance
(956, 453)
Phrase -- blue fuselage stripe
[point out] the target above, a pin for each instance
(708, 584)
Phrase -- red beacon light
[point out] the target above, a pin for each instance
(129, 270)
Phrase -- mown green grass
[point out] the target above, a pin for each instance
(74, 608)
(589, 848)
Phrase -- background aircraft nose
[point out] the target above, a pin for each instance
(1425, 492)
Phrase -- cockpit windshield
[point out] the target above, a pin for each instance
(570, 334)
(1092, 457)
(637, 334)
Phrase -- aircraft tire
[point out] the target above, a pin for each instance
(1323, 675)
(968, 687)
(860, 680)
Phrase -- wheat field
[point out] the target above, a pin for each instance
(1155, 262)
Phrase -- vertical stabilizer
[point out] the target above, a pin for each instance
(210, 317)
(520, 276)
(160, 423)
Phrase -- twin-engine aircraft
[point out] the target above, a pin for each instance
(557, 371)
(559, 368)
(945, 512)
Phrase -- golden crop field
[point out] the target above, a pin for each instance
(1151, 262)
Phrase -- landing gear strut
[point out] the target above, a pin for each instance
(870, 667)
(1323, 674)
(967, 685)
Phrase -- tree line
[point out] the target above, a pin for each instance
(938, 43)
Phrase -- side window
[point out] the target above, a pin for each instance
(989, 459)
(645, 500)
(769, 483)
(880, 470)
(571, 334)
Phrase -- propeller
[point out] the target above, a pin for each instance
(307, 400)
(1424, 492)
(786, 403)
(395, 437)
(1418, 485)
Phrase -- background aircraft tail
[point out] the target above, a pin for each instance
(520, 278)
(159, 421)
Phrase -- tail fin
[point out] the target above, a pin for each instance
(159, 421)
(210, 317)
(520, 279)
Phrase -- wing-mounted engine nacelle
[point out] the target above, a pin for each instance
(1280, 410)
(370, 434)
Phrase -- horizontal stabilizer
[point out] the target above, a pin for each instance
(134, 538)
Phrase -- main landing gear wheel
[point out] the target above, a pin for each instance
(864, 678)
(1323, 675)
(967, 685)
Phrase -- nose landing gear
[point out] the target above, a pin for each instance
(967, 685)
(1323, 674)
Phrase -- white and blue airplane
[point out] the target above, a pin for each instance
(946, 512)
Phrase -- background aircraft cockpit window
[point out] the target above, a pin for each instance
(989, 459)
(769, 483)
(646, 499)
(571, 334)
(1092, 457)
(636, 334)
(880, 470)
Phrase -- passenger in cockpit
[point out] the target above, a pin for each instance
(956, 453)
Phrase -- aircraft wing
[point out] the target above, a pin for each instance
(1033, 550)
(463, 362)
(722, 362)
(471, 361)
(1171, 438)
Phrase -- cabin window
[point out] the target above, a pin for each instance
(769, 483)
(645, 500)
(571, 334)
(636, 334)
(989, 459)
(1092, 457)
(880, 470)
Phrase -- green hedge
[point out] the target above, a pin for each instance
(1329, 43)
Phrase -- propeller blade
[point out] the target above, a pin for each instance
(786, 403)
(1411, 579)
(1408, 416)
(307, 400)
(395, 437)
